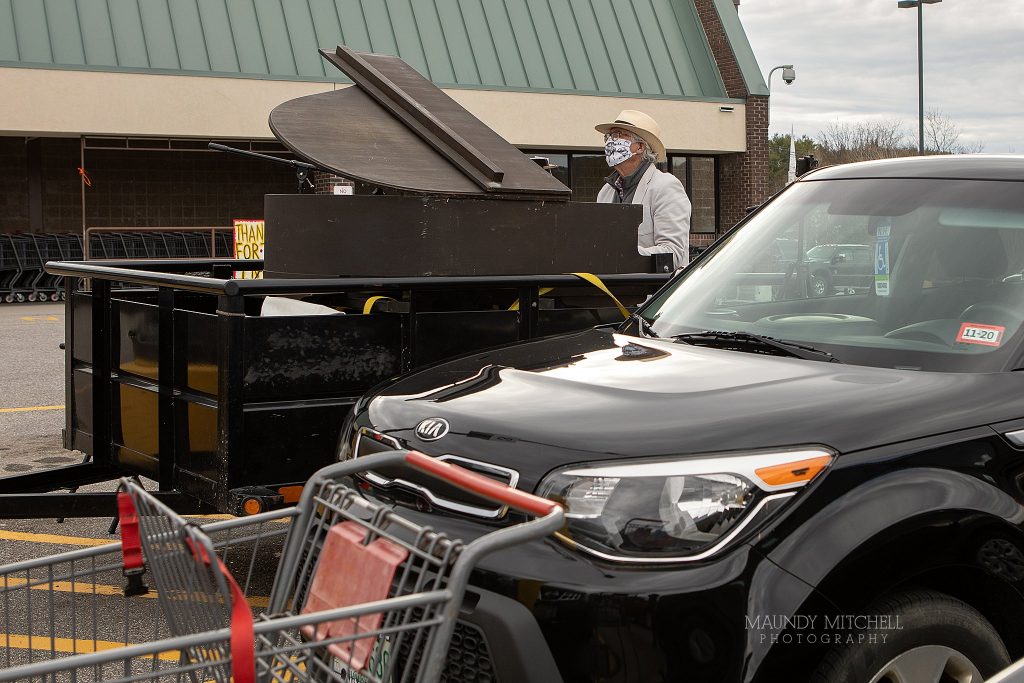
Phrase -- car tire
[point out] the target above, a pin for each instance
(935, 627)
(818, 285)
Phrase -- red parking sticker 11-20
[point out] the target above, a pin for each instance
(976, 333)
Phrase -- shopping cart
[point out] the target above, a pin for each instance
(225, 244)
(10, 269)
(175, 245)
(20, 285)
(46, 286)
(197, 244)
(360, 592)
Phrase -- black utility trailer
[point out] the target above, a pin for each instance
(174, 372)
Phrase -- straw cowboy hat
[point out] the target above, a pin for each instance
(641, 124)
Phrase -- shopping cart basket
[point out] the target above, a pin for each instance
(225, 244)
(360, 592)
(197, 244)
(47, 286)
(19, 268)
(10, 268)
(62, 617)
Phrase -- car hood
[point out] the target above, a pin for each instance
(614, 395)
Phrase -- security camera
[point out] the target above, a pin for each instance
(789, 75)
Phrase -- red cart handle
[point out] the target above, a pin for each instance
(481, 485)
(131, 545)
(243, 638)
(132, 562)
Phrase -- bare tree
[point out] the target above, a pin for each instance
(842, 143)
(942, 136)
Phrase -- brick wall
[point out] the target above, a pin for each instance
(62, 190)
(134, 188)
(13, 185)
(744, 177)
(323, 183)
(720, 48)
(744, 180)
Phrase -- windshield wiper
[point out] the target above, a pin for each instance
(646, 329)
(756, 343)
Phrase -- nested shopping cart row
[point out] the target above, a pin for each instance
(23, 256)
(359, 592)
(160, 243)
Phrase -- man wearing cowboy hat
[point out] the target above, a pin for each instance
(632, 146)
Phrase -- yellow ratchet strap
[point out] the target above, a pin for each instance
(596, 281)
(368, 306)
(587, 277)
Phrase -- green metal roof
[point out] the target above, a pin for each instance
(737, 37)
(647, 48)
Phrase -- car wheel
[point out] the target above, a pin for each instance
(932, 638)
(818, 285)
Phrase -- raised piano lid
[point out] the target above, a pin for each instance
(396, 129)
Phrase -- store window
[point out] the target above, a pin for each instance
(585, 174)
(561, 166)
(698, 177)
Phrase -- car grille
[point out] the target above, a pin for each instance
(408, 487)
(469, 657)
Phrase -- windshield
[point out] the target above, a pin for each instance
(908, 273)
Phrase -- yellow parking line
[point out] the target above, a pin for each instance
(67, 587)
(72, 645)
(99, 589)
(53, 538)
(30, 409)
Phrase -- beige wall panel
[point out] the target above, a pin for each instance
(57, 103)
(567, 121)
(53, 102)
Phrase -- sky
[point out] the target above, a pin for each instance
(856, 60)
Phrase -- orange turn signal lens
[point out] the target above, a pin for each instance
(797, 472)
(252, 506)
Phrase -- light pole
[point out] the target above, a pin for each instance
(919, 4)
(788, 74)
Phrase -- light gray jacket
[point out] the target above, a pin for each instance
(666, 224)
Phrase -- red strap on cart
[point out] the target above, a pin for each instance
(131, 546)
(243, 638)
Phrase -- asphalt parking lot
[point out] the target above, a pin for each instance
(31, 419)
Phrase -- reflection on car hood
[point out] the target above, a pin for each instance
(607, 393)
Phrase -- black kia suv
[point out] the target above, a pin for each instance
(762, 482)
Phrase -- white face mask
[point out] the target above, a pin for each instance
(616, 151)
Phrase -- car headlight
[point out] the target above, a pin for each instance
(345, 438)
(671, 510)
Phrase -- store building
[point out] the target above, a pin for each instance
(108, 106)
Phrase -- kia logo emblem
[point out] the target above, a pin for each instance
(432, 429)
